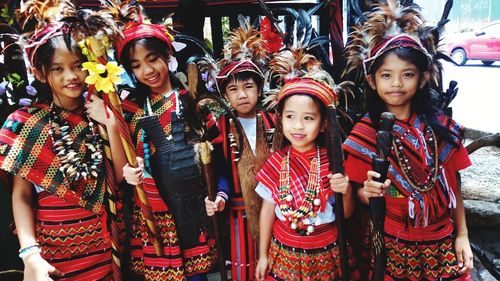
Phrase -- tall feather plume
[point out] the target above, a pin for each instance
(293, 63)
(244, 42)
(43, 13)
(123, 11)
(381, 23)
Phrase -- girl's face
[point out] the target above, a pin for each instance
(302, 122)
(396, 81)
(150, 69)
(66, 78)
(242, 96)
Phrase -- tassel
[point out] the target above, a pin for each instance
(411, 207)
(452, 204)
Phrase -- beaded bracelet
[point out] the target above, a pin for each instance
(30, 250)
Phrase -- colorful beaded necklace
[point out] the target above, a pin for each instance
(403, 161)
(73, 166)
(311, 202)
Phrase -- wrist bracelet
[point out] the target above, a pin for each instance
(30, 250)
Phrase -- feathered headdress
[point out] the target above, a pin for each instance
(134, 25)
(43, 20)
(243, 52)
(388, 28)
(299, 72)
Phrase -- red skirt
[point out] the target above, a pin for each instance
(174, 264)
(304, 257)
(73, 240)
(421, 254)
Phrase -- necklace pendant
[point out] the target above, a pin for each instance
(317, 202)
(293, 225)
(310, 229)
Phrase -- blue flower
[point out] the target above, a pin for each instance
(24, 102)
(30, 90)
(2, 87)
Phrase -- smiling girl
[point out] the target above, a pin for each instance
(298, 233)
(55, 153)
(164, 136)
(425, 230)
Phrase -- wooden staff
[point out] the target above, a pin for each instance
(336, 165)
(377, 204)
(112, 190)
(206, 160)
(131, 157)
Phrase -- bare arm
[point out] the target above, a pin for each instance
(35, 267)
(23, 209)
(267, 218)
(463, 250)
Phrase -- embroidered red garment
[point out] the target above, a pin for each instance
(243, 246)
(415, 252)
(175, 264)
(71, 222)
(300, 163)
(26, 150)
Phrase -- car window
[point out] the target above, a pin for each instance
(492, 29)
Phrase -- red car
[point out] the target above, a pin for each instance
(484, 45)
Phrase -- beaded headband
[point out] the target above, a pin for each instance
(393, 42)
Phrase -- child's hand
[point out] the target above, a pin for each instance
(214, 206)
(340, 183)
(261, 269)
(374, 188)
(36, 268)
(132, 175)
(464, 254)
(97, 111)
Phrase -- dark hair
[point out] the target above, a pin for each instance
(154, 45)
(321, 138)
(244, 76)
(42, 60)
(422, 103)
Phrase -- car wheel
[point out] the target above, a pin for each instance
(459, 56)
(487, 62)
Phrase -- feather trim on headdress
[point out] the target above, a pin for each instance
(42, 20)
(385, 29)
(131, 20)
(243, 52)
(299, 72)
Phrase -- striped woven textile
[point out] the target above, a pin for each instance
(414, 252)
(243, 246)
(175, 263)
(71, 222)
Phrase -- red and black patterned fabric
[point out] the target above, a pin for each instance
(244, 259)
(293, 256)
(71, 220)
(175, 263)
(416, 250)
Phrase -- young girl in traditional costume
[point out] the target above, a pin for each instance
(164, 137)
(425, 230)
(53, 149)
(297, 224)
(246, 145)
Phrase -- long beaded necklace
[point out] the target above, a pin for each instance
(73, 166)
(403, 161)
(310, 204)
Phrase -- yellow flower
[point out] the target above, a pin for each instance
(103, 77)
